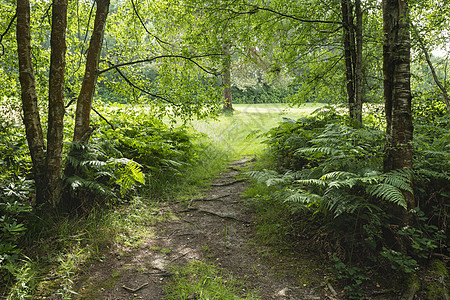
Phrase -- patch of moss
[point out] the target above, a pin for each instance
(435, 289)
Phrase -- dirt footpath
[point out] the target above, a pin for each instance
(216, 228)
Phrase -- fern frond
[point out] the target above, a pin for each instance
(319, 150)
(400, 179)
(348, 183)
(93, 163)
(76, 183)
(338, 175)
(128, 175)
(430, 174)
(315, 182)
(388, 193)
(263, 176)
(304, 198)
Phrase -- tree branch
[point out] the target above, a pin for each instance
(327, 31)
(430, 64)
(73, 98)
(191, 59)
(319, 76)
(5, 32)
(101, 116)
(255, 9)
(145, 27)
(144, 91)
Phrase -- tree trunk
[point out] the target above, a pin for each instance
(353, 57)
(56, 102)
(227, 96)
(84, 103)
(397, 88)
(349, 76)
(358, 62)
(31, 118)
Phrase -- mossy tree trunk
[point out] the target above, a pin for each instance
(47, 165)
(47, 159)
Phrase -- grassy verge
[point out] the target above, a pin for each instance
(203, 281)
(285, 239)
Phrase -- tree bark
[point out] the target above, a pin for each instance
(227, 96)
(56, 102)
(349, 75)
(31, 118)
(397, 88)
(353, 56)
(84, 102)
(358, 62)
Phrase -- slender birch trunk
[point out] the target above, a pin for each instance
(397, 88)
(84, 103)
(29, 98)
(347, 21)
(56, 102)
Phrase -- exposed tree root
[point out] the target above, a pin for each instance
(213, 214)
(229, 183)
(212, 199)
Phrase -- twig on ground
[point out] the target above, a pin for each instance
(177, 258)
(136, 289)
(192, 223)
(160, 274)
(332, 290)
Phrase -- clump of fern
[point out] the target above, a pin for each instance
(327, 166)
(97, 172)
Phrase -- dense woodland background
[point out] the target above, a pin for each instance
(98, 101)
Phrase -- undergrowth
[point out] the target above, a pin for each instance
(326, 167)
(118, 181)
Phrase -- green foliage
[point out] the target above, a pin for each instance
(260, 94)
(330, 168)
(96, 172)
(15, 190)
(399, 261)
(162, 152)
(353, 276)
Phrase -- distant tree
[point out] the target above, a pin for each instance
(353, 47)
(227, 96)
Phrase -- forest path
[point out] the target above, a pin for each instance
(217, 228)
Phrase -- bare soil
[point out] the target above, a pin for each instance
(217, 228)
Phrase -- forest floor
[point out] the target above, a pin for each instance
(217, 228)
